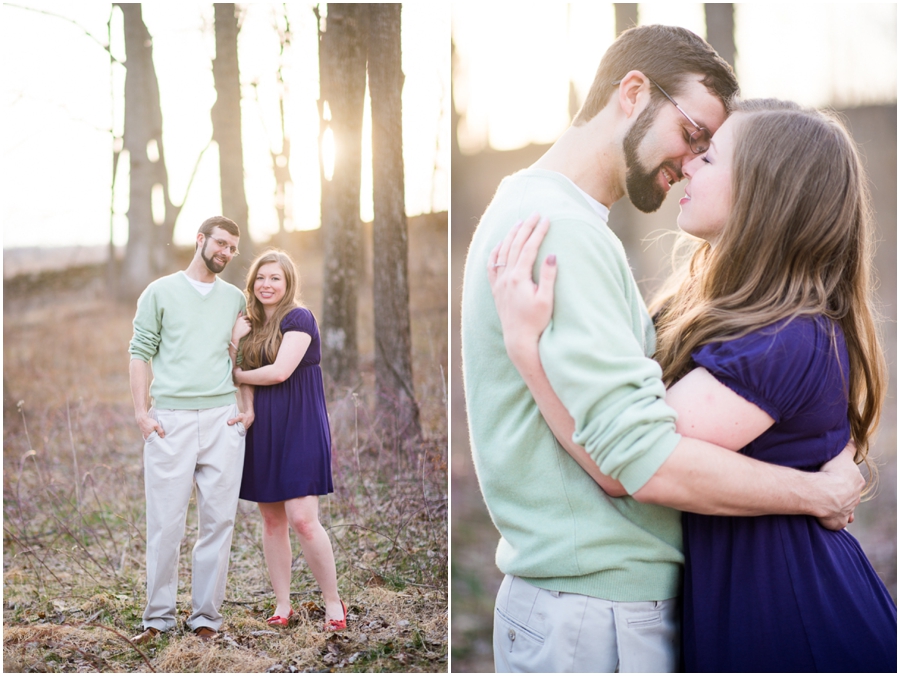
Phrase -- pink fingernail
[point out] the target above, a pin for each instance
(551, 259)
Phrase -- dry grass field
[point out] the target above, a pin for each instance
(73, 500)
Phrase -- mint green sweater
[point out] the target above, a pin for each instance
(185, 336)
(559, 530)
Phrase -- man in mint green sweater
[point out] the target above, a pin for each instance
(592, 581)
(194, 431)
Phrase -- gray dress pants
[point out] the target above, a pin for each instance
(536, 630)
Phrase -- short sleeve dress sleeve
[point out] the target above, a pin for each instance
(299, 319)
(782, 368)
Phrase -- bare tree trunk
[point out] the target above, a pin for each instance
(281, 161)
(454, 114)
(145, 254)
(117, 146)
(624, 217)
(574, 103)
(226, 121)
(396, 407)
(720, 29)
(342, 86)
(626, 16)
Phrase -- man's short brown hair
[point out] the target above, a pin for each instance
(667, 55)
(226, 224)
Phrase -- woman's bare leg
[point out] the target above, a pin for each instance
(303, 514)
(277, 550)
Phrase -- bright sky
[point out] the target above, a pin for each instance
(60, 99)
(512, 67)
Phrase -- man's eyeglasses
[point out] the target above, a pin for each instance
(699, 140)
(222, 244)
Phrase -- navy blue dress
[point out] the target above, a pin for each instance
(782, 593)
(288, 452)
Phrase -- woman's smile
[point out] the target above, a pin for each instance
(270, 285)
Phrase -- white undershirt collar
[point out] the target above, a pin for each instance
(203, 287)
(599, 207)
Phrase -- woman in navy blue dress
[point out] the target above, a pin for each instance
(287, 463)
(768, 347)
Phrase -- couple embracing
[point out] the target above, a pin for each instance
(231, 371)
(745, 403)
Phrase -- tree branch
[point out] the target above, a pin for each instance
(187, 190)
(84, 30)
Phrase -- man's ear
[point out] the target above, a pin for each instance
(633, 93)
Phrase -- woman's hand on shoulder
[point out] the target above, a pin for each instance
(524, 307)
(241, 328)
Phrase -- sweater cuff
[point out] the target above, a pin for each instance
(634, 475)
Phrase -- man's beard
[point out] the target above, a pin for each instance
(642, 186)
(211, 263)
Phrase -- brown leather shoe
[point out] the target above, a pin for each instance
(206, 633)
(149, 634)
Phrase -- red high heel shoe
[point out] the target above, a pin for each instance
(337, 625)
(279, 621)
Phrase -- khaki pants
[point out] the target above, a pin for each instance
(199, 448)
(536, 630)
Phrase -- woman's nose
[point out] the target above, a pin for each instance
(688, 167)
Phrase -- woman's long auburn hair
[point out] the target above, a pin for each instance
(262, 343)
(798, 241)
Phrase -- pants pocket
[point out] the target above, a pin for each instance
(521, 645)
(154, 435)
(644, 622)
(649, 640)
(238, 426)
